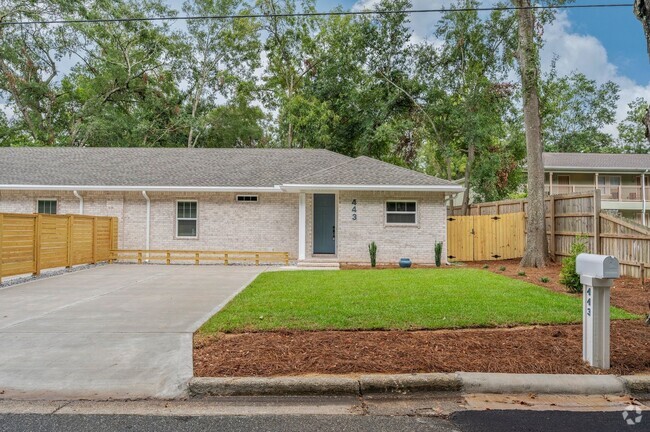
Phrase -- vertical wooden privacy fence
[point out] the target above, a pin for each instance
(568, 216)
(488, 237)
(30, 243)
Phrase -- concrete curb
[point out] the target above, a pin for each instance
(253, 386)
(461, 382)
(409, 383)
(638, 385)
(541, 383)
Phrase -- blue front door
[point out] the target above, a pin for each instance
(324, 223)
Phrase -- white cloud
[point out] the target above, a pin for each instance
(585, 53)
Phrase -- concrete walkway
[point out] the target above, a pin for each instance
(116, 331)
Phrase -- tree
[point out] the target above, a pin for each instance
(29, 68)
(470, 101)
(575, 111)
(124, 89)
(536, 253)
(632, 131)
(289, 47)
(219, 54)
(642, 12)
(235, 124)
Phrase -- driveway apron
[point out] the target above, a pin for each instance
(117, 331)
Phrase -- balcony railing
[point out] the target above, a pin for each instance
(607, 193)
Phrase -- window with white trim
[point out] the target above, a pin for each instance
(186, 219)
(401, 212)
(246, 198)
(46, 206)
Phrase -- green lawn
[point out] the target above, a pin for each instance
(393, 299)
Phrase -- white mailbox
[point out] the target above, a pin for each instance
(597, 266)
(597, 273)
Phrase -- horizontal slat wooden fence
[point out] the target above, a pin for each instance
(196, 256)
(570, 215)
(30, 243)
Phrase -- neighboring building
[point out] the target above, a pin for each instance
(314, 204)
(618, 176)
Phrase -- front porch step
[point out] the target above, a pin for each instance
(319, 263)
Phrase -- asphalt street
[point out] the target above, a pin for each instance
(465, 421)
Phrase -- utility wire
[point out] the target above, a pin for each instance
(314, 14)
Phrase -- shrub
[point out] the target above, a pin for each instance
(568, 275)
(485, 266)
(521, 273)
(502, 268)
(372, 249)
(544, 279)
(438, 250)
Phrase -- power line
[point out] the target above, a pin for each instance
(315, 14)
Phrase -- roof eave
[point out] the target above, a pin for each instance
(590, 170)
(114, 188)
(357, 187)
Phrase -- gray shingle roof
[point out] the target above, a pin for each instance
(597, 161)
(373, 172)
(177, 167)
(188, 168)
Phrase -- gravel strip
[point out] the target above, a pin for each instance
(47, 274)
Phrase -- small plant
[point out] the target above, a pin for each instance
(568, 275)
(502, 268)
(544, 279)
(485, 266)
(438, 250)
(521, 273)
(372, 249)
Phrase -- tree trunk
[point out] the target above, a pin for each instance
(646, 123)
(471, 152)
(642, 12)
(451, 196)
(536, 253)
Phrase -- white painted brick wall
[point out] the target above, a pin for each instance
(393, 242)
(268, 225)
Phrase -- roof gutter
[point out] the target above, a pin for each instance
(141, 188)
(400, 188)
(81, 201)
(590, 170)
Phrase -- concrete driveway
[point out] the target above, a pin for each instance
(116, 331)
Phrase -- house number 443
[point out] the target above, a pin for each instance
(354, 209)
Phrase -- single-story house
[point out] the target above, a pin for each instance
(313, 204)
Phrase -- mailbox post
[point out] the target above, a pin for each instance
(596, 275)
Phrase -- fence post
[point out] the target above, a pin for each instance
(596, 221)
(286, 258)
(225, 259)
(257, 259)
(1, 230)
(642, 274)
(94, 258)
(196, 258)
(139, 257)
(110, 241)
(168, 255)
(37, 245)
(551, 203)
(69, 239)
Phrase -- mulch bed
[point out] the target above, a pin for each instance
(627, 292)
(543, 349)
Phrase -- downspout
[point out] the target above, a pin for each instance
(81, 201)
(643, 196)
(148, 222)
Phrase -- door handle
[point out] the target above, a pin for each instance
(333, 232)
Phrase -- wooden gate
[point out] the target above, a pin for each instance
(486, 237)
